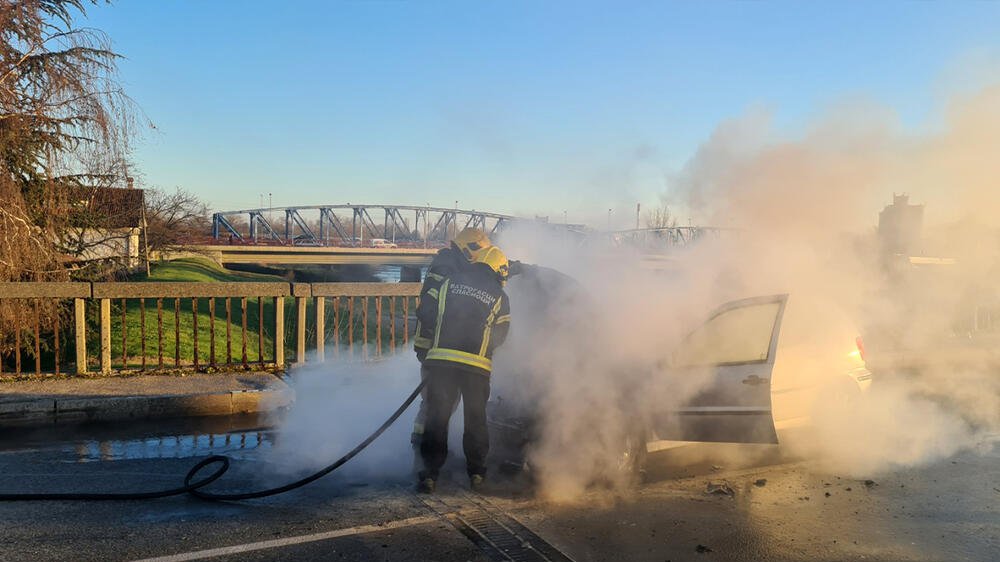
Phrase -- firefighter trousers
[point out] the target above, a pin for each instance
(444, 385)
(421, 420)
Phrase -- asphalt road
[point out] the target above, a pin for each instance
(778, 510)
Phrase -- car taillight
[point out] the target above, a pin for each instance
(861, 347)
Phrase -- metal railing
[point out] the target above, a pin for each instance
(199, 326)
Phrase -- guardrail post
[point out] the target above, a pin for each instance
(320, 329)
(279, 331)
(79, 309)
(106, 336)
(300, 329)
(302, 293)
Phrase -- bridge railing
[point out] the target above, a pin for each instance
(150, 326)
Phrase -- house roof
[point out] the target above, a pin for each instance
(109, 207)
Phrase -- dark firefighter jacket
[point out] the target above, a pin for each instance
(470, 316)
(445, 263)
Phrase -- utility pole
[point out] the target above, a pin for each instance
(270, 207)
(609, 219)
(638, 209)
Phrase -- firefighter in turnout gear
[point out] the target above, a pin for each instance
(463, 251)
(469, 319)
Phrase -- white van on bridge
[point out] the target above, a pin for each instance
(382, 243)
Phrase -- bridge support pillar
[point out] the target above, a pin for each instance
(409, 274)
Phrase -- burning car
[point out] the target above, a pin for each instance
(741, 376)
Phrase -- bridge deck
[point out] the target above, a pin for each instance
(320, 255)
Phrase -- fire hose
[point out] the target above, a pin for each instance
(195, 487)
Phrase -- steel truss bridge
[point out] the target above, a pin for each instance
(350, 225)
(411, 226)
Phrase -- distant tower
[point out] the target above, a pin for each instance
(900, 225)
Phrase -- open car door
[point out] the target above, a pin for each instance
(734, 351)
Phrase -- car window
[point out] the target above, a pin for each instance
(740, 335)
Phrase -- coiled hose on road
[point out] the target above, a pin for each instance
(195, 487)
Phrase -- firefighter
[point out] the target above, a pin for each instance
(469, 319)
(464, 249)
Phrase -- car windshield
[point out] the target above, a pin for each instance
(739, 335)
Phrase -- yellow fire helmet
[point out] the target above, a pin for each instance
(472, 242)
(497, 260)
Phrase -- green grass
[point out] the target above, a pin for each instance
(205, 270)
(200, 269)
(183, 339)
(193, 269)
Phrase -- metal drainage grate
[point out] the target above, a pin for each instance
(495, 532)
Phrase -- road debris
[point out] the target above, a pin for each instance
(702, 549)
(719, 489)
(760, 482)
(870, 483)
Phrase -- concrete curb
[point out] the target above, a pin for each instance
(75, 409)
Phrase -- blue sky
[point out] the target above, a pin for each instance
(521, 107)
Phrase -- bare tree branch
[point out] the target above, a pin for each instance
(175, 217)
(65, 123)
(660, 217)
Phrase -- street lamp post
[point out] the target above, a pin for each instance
(426, 227)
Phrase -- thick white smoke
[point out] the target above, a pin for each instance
(803, 212)
(592, 358)
(587, 347)
(808, 207)
(337, 405)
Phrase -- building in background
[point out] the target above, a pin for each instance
(108, 224)
(900, 227)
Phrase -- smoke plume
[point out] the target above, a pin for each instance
(589, 351)
(802, 214)
(337, 405)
